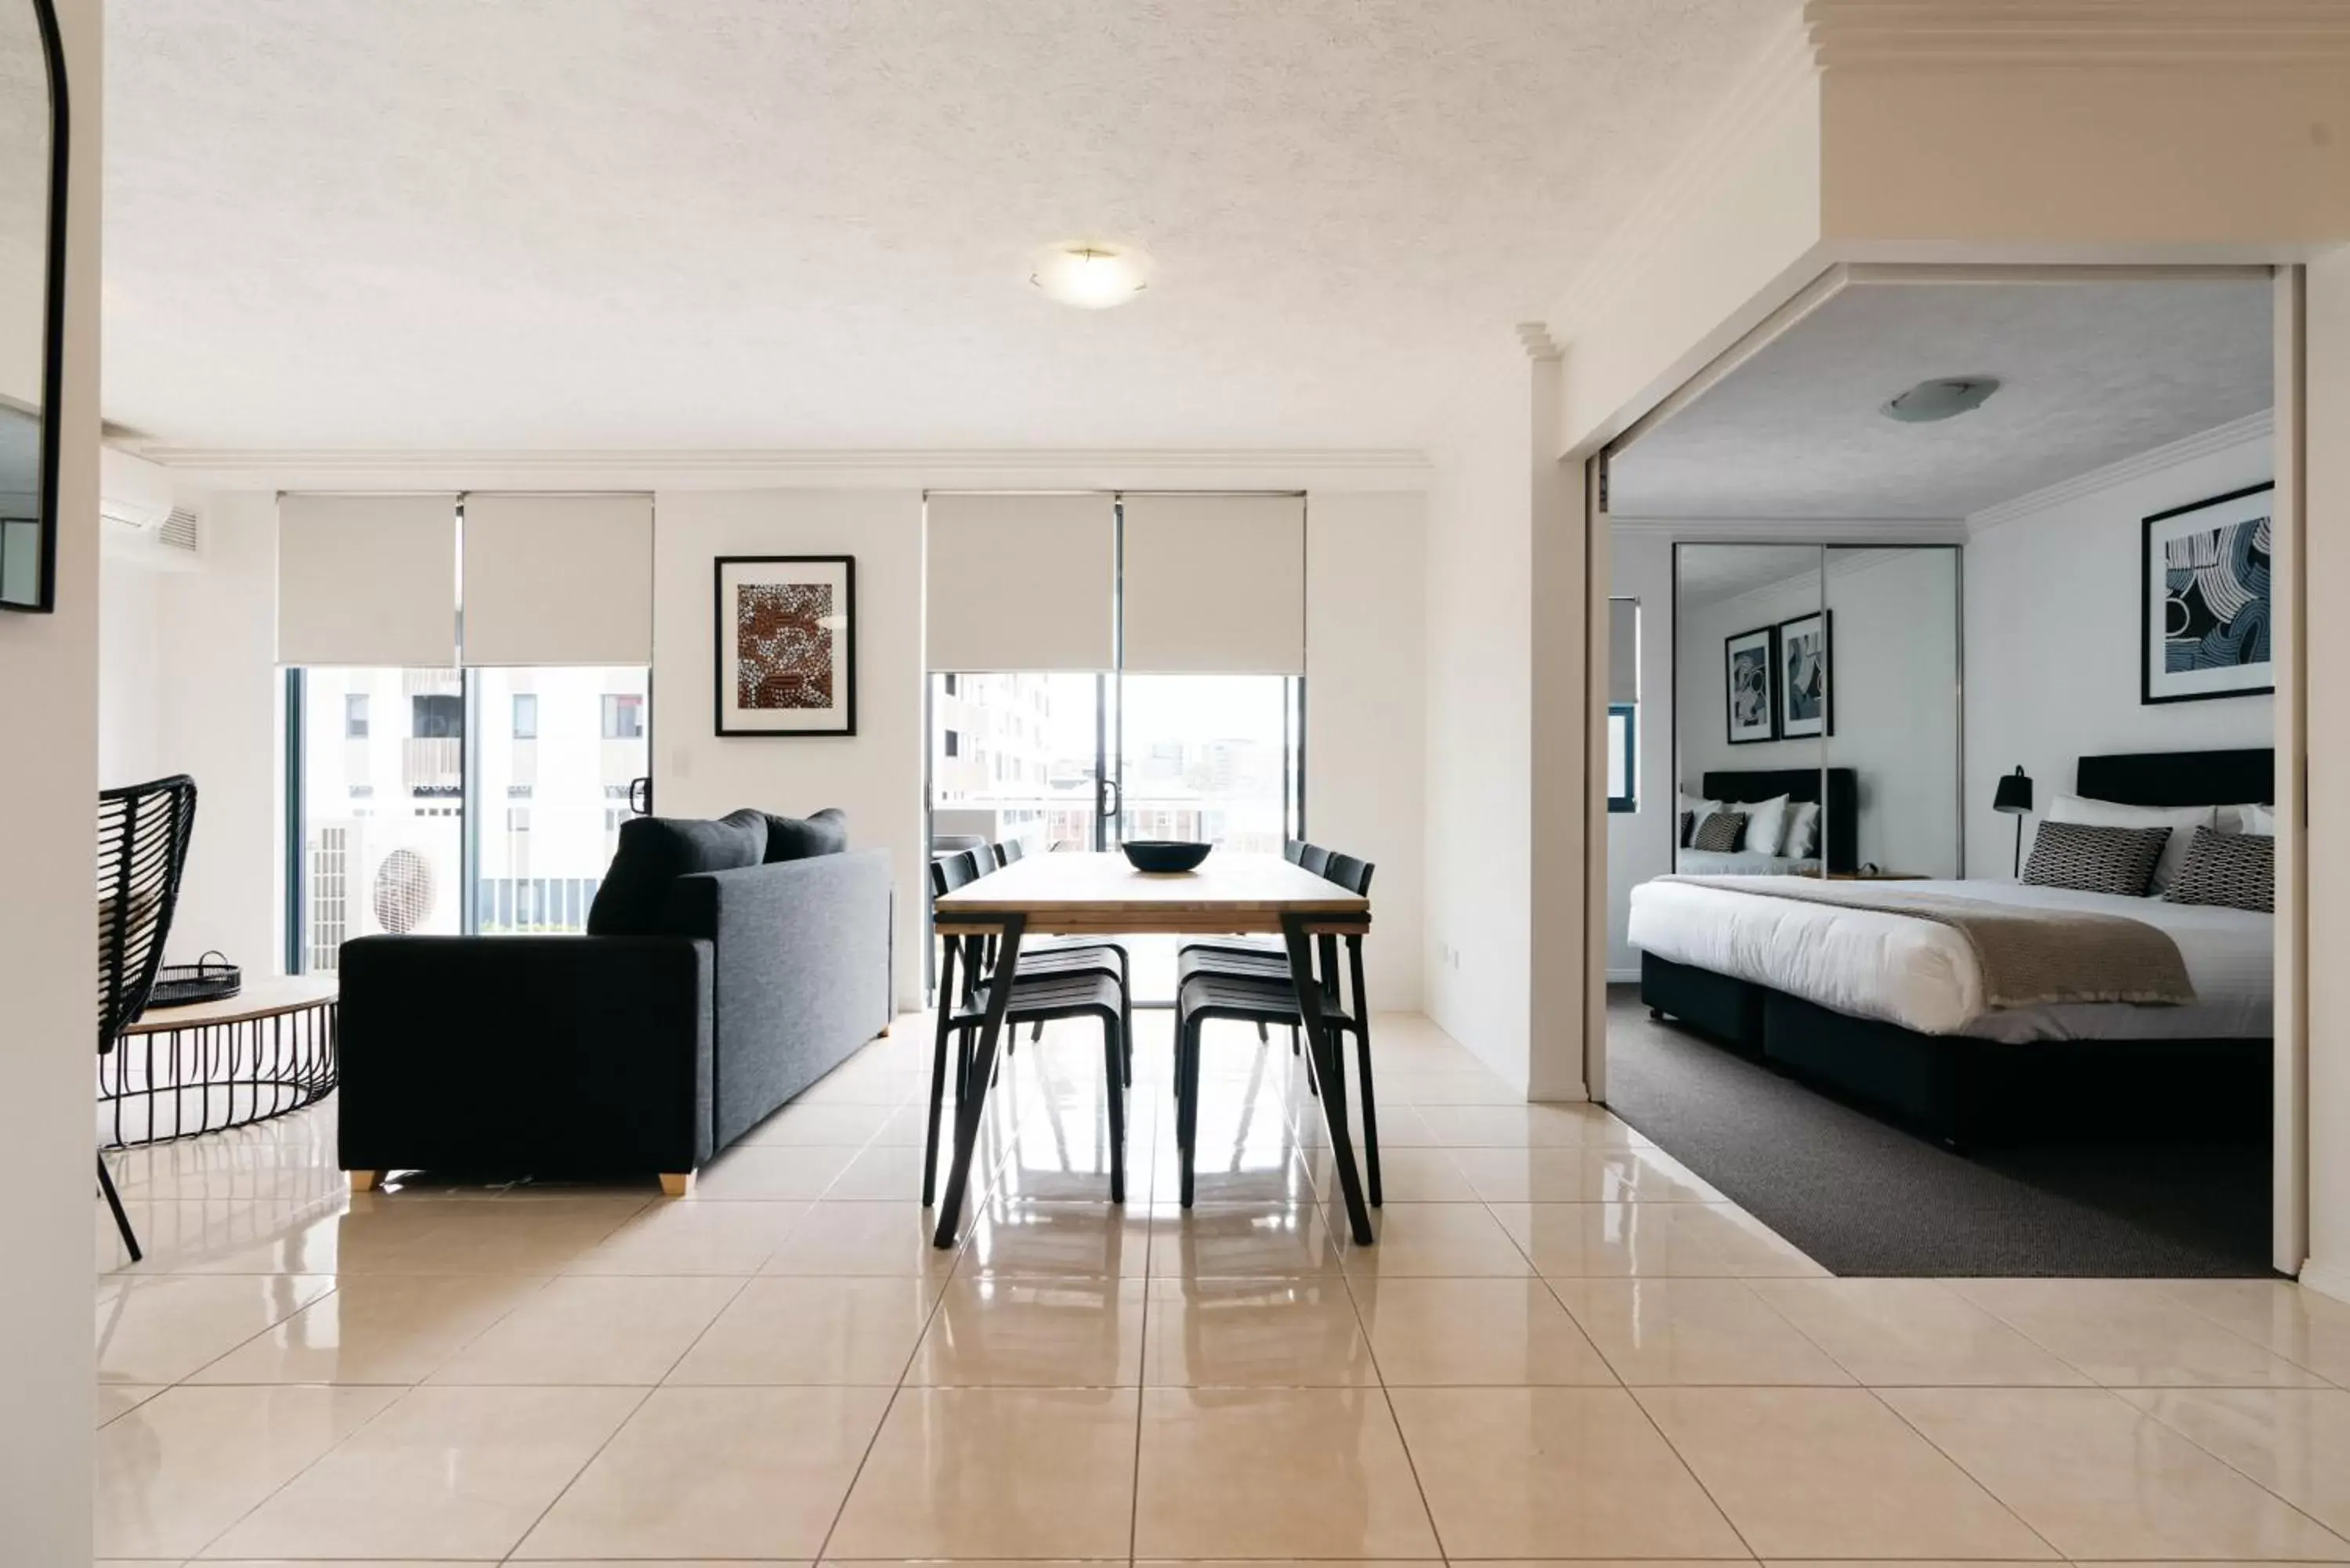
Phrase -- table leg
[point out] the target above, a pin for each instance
(974, 1101)
(1318, 1045)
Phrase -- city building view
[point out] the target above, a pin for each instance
(394, 781)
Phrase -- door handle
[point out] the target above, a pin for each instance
(640, 797)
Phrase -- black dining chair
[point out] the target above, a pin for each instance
(1263, 999)
(1066, 983)
(1263, 956)
(142, 850)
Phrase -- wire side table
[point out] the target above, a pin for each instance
(180, 1071)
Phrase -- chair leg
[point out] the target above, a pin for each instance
(114, 1201)
(1188, 1116)
(1263, 1034)
(939, 1085)
(1114, 1084)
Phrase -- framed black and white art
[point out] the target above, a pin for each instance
(786, 645)
(1747, 658)
(2203, 599)
(1806, 676)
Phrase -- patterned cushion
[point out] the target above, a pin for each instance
(2096, 859)
(1688, 826)
(1719, 832)
(2231, 870)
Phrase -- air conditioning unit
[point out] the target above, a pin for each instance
(139, 517)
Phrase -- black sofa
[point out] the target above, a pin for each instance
(714, 985)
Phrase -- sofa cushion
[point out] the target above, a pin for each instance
(654, 851)
(796, 839)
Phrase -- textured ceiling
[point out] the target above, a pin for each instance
(2091, 373)
(1708, 573)
(806, 223)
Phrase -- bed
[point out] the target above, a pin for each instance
(1889, 1008)
(1840, 822)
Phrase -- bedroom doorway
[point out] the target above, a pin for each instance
(1886, 652)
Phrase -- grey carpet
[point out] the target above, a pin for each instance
(1863, 1197)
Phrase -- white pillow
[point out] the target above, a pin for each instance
(1802, 831)
(1766, 826)
(2255, 819)
(2182, 821)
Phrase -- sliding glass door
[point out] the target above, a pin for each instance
(440, 801)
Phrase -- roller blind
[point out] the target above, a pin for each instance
(1021, 582)
(558, 579)
(368, 579)
(1623, 650)
(1215, 584)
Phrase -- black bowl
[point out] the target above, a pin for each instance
(1164, 853)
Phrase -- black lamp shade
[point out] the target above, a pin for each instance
(2014, 793)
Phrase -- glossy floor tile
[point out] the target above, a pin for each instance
(1564, 1346)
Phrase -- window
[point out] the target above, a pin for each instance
(954, 744)
(437, 716)
(952, 685)
(440, 832)
(1623, 756)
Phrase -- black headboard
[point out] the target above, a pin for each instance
(2182, 778)
(1843, 813)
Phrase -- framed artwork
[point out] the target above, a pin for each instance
(1806, 676)
(1747, 658)
(2203, 599)
(786, 645)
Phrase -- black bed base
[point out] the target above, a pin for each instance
(1963, 1090)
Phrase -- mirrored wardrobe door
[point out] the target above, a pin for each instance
(1884, 654)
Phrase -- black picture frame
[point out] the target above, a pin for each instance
(43, 597)
(2151, 640)
(1827, 618)
(1730, 654)
(727, 714)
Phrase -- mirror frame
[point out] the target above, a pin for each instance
(53, 312)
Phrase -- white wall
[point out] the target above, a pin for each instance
(1366, 715)
(48, 691)
(2052, 634)
(1895, 673)
(130, 672)
(224, 725)
(1640, 843)
(1480, 804)
(2326, 580)
(875, 774)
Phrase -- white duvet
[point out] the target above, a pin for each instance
(1922, 975)
(1738, 863)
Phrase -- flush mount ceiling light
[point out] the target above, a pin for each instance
(1929, 401)
(1091, 276)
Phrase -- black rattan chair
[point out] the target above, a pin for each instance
(142, 849)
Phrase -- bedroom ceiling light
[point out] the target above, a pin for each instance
(1090, 275)
(1929, 401)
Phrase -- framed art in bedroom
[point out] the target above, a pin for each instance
(1807, 676)
(2203, 600)
(1747, 658)
(785, 634)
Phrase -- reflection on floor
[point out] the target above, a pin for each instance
(1865, 1197)
(1565, 1346)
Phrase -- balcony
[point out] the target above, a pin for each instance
(432, 766)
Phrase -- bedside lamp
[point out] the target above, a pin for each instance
(2014, 797)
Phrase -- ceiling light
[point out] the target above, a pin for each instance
(1091, 276)
(1929, 401)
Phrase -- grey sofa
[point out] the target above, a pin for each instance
(714, 985)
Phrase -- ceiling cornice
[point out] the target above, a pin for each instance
(1839, 531)
(2252, 427)
(1781, 69)
(737, 469)
(1992, 35)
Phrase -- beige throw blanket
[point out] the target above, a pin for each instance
(2027, 957)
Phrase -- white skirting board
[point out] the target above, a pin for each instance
(2326, 1279)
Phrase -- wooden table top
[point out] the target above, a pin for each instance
(259, 999)
(1232, 891)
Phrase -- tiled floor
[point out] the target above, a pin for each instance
(1565, 1346)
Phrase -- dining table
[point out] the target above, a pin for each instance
(1232, 893)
